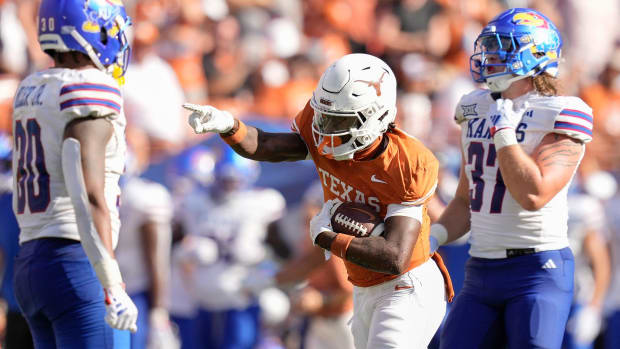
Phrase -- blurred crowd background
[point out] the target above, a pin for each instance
(261, 60)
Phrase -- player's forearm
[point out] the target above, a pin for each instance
(522, 177)
(264, 146)
(102, 223)
(378, 254)
(157, 292)
(602, 279)
(299, 268)
(374, 253)
(456, 218)
(155, 265)
(597, 250)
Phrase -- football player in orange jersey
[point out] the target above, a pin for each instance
(347, 129)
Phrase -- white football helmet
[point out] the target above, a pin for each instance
(354, 103)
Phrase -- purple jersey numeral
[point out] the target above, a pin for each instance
(31, 168)
(21, 175)
(500, 189)
(475, 152)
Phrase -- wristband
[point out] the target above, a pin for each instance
(236, 134)
(341, 244)
(439, 232)
(504, 138)
(108, 272)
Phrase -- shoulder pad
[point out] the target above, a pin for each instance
(418, 172)
(572, 117)
(90, 93)
(473, 105)
(301, 118)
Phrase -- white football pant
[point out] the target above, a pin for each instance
(401, 313)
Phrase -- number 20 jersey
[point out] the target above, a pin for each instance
(498, 222)
(44, 104)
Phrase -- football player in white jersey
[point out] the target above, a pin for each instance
(192, 171)
(521, 145)
(143, 253)
(235, 216)
(68, 129)
(588, 241)
(612, 332)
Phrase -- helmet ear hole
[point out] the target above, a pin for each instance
(104, 36)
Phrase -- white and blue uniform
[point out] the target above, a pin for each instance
(521, 270)
(498, 222)
(55, 284)
(612, 333)
(143, 202)
(586, 215)
(228, 316)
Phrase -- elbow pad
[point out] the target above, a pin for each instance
(105, 266)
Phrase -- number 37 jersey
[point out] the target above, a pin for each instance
(498, 222)
(44, 104)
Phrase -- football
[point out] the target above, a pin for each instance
(359, 220)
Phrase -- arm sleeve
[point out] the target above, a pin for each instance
(413, 211)
(298, 123)
(105, 266)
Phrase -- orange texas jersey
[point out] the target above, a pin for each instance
(405, 173)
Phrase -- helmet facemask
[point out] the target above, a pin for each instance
(339, 136)
(496, 61)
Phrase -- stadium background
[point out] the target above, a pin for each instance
(261, 59)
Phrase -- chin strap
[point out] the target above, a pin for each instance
(501, 83)
(118, 74)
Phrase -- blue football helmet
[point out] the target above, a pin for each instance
(197, 164)
(518, 43)
(233, 168)
(96, 28)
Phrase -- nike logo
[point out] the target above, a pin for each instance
(399, 287)
(377, 180)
